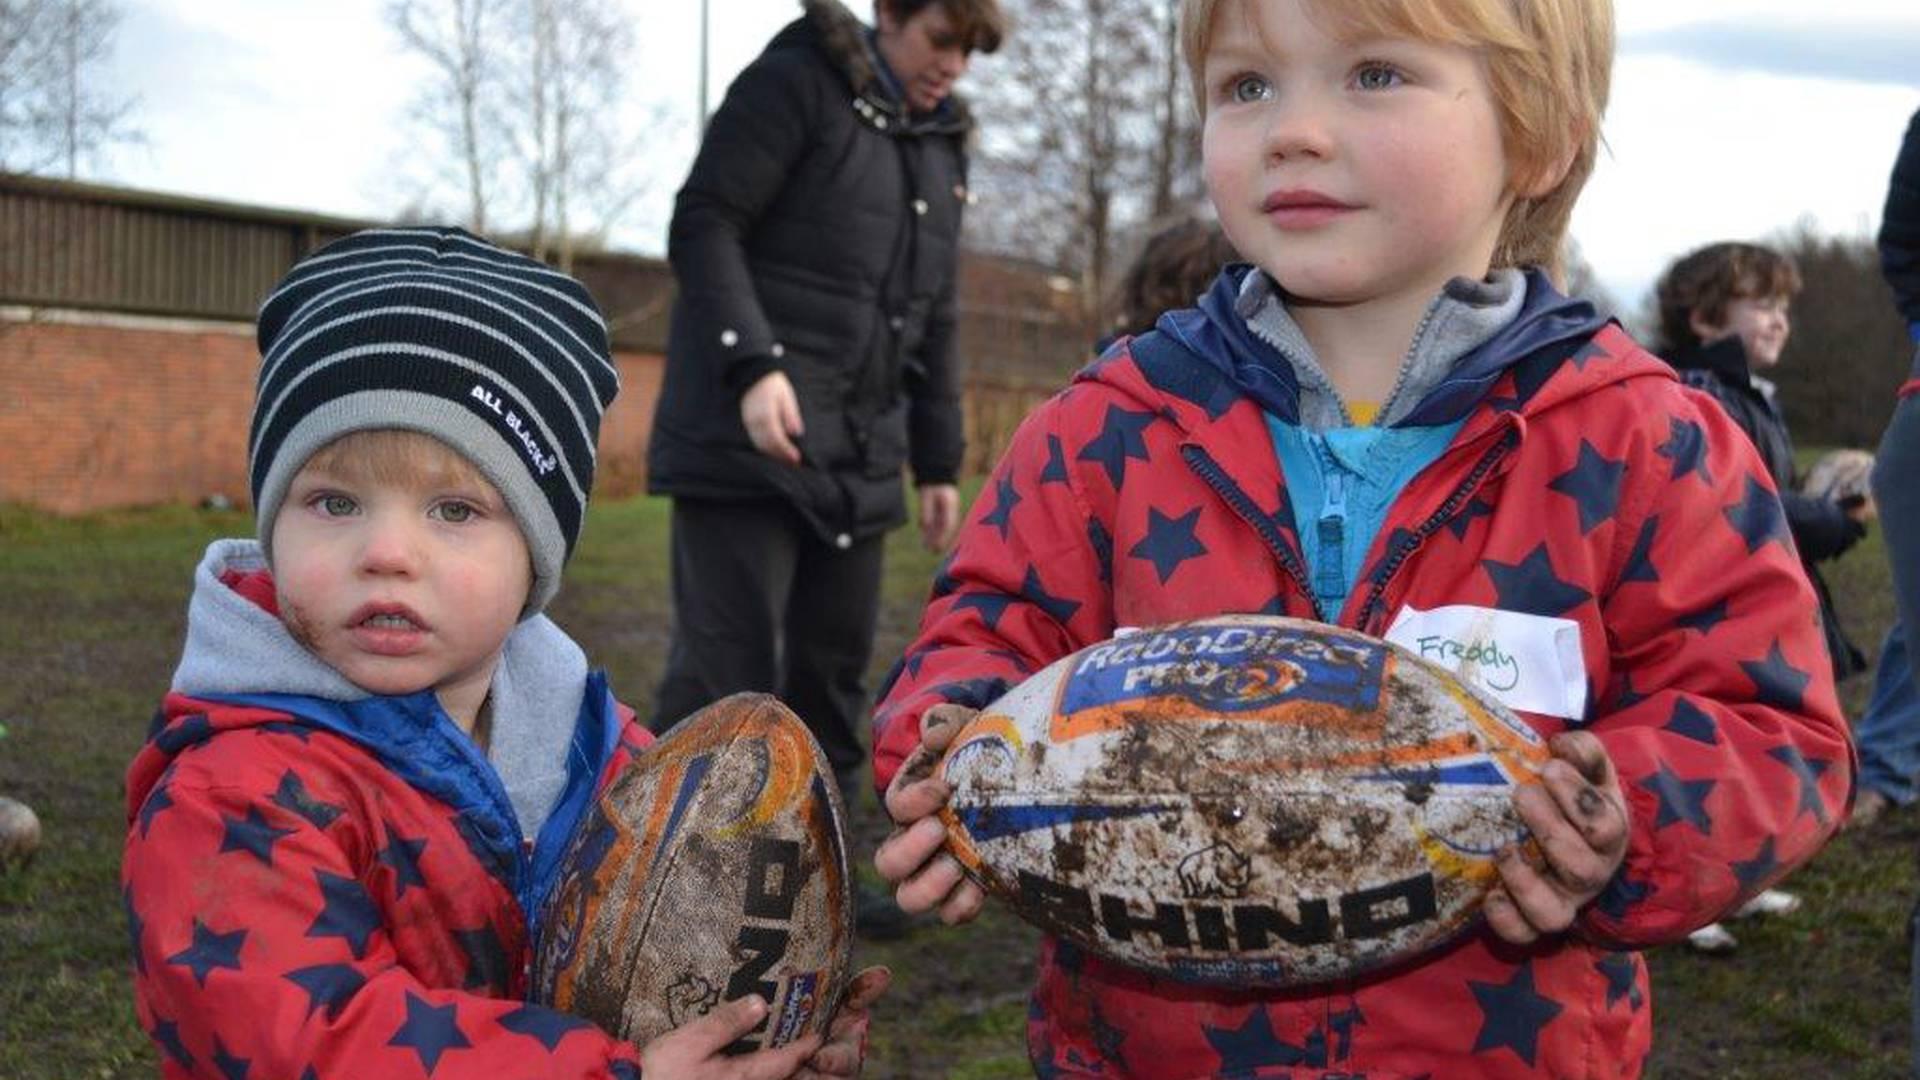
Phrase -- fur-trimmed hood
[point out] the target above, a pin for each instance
(838, 33)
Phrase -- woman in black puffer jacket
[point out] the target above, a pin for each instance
(811, 355)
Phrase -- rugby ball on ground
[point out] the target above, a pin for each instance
(1243, 800)
(19, 834)
(714, 867)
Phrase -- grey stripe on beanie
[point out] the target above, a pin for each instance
(435, 331)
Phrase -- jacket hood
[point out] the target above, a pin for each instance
(1233, 361)
(839, 35)
(239, 653)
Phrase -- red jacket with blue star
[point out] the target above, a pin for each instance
(322, 884)
(1586, 483)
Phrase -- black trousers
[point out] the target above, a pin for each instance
(761, 602)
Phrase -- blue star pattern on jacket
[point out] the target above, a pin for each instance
(1101, 542)
(1593, 484)
(1758, 518)
(1692, 722)
(486, 958)
(1640, 560)
(1808, 772)
(252, 835)
(430, 1031)
(210, 951)
(1119, 441)
(183, 733)
(134, 928)
(1624, 694)
(1244, 1049)
(943, 583)
(402, 856)
(1680, 800)
(292, 795)
(231, 1067)
(973, 693)
(328, 986)
(990, 605)
(1775, 681)
(1512, 1014)
(1706, 618)
(1006, 497)
(167, 1034)
(1753, 873)
(157, 803)
(349, 913)
(1530, 585)
(1622, 893)
(1462, 521)
(1059, 608)
(1055, 470)
(1621, 979)
(543, 1024)
(1169, 542)
(1686, 447)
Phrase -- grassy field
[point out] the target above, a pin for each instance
(93, 624)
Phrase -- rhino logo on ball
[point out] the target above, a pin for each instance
(1216, 872)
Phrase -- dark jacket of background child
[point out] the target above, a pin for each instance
(1821, 528)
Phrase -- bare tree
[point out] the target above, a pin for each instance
(527, 96)
(1849, 348)
(1086, 133)
(571, 80)
(53, 113)
(456, 37)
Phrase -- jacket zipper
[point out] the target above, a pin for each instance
(1370, 610)
(1208, 470)
(1331, 529)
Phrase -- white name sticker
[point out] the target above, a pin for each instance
(1528, 662)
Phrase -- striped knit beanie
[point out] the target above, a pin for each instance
(436, 331)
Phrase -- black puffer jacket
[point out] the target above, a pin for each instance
(817, 234)
(1900, 226)
(1821, 529)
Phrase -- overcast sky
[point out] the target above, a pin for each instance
(1730, 118)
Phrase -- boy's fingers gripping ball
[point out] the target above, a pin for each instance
(19, 834)
(713, 869)
(1245, 800)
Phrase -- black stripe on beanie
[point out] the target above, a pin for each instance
(487, 398)
(411, 323)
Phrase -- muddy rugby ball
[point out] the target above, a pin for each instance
(714, 867)
(1243, 800)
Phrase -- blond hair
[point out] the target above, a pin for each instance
(395, 456)
(1549, 64)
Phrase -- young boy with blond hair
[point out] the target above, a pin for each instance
(1395, 422)
(376, 748)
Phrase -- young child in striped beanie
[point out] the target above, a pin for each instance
(376, 747)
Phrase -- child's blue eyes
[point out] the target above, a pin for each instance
(451, 511)
(1376, 77)
(1244, 89)
(1250, 88)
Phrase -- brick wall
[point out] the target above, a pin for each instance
(101, 411)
